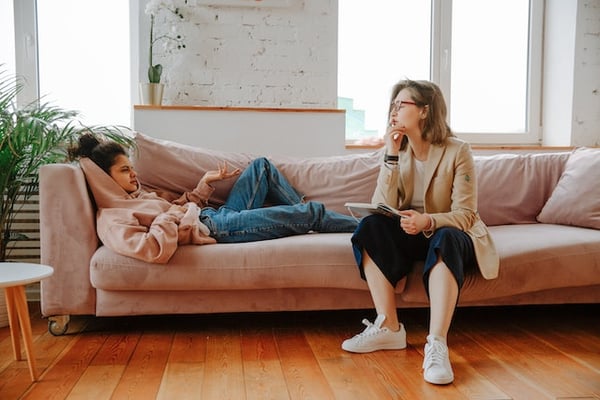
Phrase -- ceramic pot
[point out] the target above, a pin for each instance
(151, 93)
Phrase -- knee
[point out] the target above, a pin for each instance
(315, 207)
(260, 165)
(261, 162)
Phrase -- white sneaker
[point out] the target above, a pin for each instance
(374, 337)
(436, 365)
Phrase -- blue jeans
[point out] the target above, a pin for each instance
(263, 205)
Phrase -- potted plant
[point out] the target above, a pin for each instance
(151, 92)
(30, 137)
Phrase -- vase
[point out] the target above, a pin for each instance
(151, 93)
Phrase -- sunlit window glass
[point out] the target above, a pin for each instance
(489, 66)
(7, 33)
(84, 58)
(379, 43)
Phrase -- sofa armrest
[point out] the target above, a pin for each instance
(68, 240)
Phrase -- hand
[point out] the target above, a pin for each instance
(393, 136)
(413, 222)
(175, 213)
(174, 209)
(220, 174)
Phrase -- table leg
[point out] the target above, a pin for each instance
(20, 303)
(13, 323)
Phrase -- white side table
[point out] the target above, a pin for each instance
(13, 278)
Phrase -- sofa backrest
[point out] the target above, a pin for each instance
(174, 168)
(513, 188)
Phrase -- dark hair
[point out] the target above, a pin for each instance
(102, 152)
(427, 94)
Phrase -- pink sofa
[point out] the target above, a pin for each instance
(546, 257)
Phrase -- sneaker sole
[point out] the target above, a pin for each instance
(440, 381)
(372, 349)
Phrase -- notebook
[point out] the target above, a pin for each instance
(359, 210)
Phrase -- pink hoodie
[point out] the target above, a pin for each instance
(141, 224)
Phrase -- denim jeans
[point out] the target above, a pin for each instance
(264, 205)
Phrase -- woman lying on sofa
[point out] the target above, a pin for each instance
(143, 225)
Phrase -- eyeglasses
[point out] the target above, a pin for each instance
(396, 105)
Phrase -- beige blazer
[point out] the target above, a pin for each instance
(450, 195)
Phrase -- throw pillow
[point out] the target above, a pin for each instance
(576, 198)
(513, 188)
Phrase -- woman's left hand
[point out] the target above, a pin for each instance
(413, 222)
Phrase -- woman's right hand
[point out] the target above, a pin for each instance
(393, 137)
(222, 173)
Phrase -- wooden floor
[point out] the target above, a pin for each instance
(497, 353)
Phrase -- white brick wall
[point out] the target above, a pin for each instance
(571, 95)
(586, 114)
(251, 56)
(286, 57)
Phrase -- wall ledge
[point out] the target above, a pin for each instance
(352, 146)
(223, 108)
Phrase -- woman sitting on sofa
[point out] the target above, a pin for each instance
(143, 225)
(430, 175)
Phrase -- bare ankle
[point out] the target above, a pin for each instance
(392, 327)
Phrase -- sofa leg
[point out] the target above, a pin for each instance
(58, 324)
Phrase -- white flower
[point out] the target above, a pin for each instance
(171, 41)
(153, 6)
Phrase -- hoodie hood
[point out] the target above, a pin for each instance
(108, 194)
(141, 224)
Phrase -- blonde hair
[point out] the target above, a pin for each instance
(426, 94)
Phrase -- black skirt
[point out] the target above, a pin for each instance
(395, 252)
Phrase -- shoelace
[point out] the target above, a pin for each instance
(435, 354)
(369, 330)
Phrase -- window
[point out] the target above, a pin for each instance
(488, 69)
(7, 33)
(83, 56)
(376, 48)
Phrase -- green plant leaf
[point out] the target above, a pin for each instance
(31, 136)
(154, 73)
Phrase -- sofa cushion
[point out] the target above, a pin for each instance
(513, 188)
(533, 257)
(175, 168)
(576, 198)
(316, 260)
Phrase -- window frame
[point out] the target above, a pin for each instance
(440, 73)
(441, 55)
(26, 55)
(26, 50)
